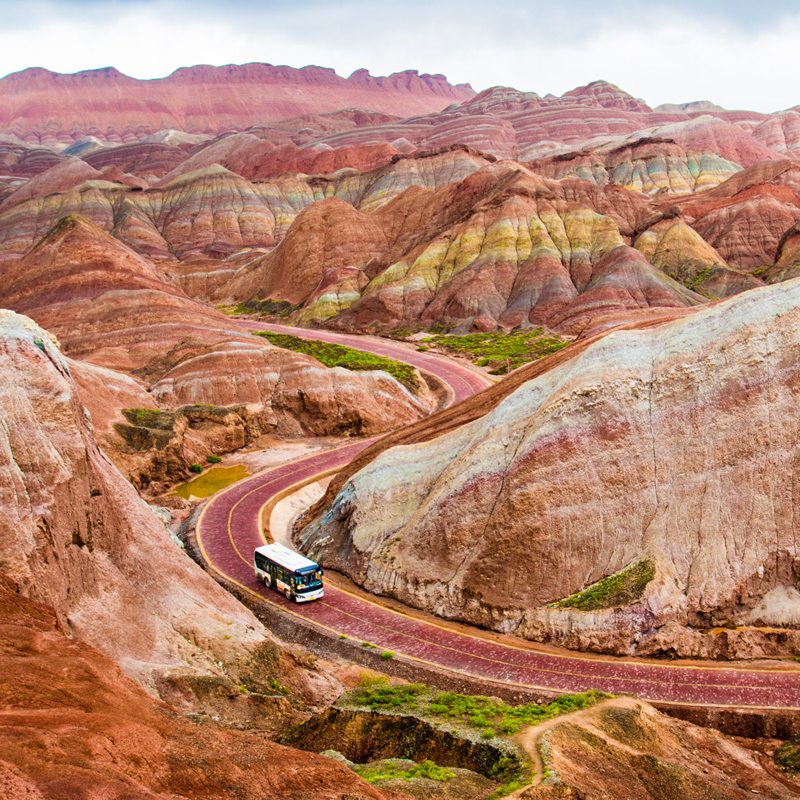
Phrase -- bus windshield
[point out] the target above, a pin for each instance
(308, 580)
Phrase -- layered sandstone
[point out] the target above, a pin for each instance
(103, 300)
(119, 314)
(618, 459)
(446, 237)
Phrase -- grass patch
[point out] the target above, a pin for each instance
(149, 418)
(500, 350)
(397, 769)
(376, 693)
(486, 716)
(211, 482)
(335, 355)
(619, 589)
(787, 756)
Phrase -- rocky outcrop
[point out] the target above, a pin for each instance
(104, 301)
(75, 535)
(72, 725)
(524, 251)
(400, 238)
(621, 456)
(648, 164)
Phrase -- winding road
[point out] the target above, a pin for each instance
(228, 531)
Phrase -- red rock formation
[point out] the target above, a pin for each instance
(256, 158)
(47, 107)
(624, 454)
(75, 535)
(102, 299)
(150, 160)
(72, 725)
(623, 287)
(113, 308)
(60, 178)
(502, 247)
(745, 217)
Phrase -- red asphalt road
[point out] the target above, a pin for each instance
(463, 381)
(228, 532)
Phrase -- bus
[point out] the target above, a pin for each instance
(295, 576)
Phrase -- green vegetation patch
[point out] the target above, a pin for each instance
(402, 769)
(487, 716)
(491, 715)
(149, 418)
(335, 355)
(376, 693)
(620, 589)
(787, 756)
(211, 482)
(266, 308)
(501, 351)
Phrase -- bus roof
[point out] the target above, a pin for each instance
(287, 558)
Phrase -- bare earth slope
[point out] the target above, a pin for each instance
(624, 748)
(72, 725)
(626, 461)
(75, 535)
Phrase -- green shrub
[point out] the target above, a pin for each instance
(620, 589)
(427, 769)
(195, 467)
(488, 733)
(387, 655)
(386, 696)
(213, 459)
(787, 756)
(277, 688)
(512, 350)
(387, 771)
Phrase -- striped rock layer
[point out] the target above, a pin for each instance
(632, 452)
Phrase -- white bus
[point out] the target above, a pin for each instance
(297, 577)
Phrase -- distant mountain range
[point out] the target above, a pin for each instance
(48, 107)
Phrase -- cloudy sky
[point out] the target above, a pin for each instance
(737, 53)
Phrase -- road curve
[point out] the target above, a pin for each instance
(463, 382)
(228, 531)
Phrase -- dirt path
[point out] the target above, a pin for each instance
(528, 738)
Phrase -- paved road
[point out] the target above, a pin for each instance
(228, 532)
(462, 381)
